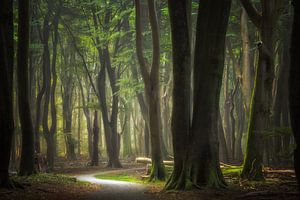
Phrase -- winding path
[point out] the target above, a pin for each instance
(116, 190)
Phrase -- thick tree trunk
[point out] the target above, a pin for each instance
(261, 102)
(6, 89)
(204, 169)
(181, 89)
(198, 160)
(27, 153)
(294, 87)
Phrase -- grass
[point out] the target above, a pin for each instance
(132, 178)
(228, 170)
(120, 177)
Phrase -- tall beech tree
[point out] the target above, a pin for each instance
(198, 165)
(261, 102)
(181, 45)
(27, 154)
(150, 76)
(6, 89)
(294, 87)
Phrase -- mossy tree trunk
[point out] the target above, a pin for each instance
(261, 102)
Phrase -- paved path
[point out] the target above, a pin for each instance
(116, 190)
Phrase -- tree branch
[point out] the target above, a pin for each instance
(139, 44)
(253, 14)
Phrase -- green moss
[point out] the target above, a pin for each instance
(46, 178)
(231, 170)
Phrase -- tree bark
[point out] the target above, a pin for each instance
(199, 162)
(204, 169)
(294, 89)
(261, 102)
(151, 81)
(181, 89)
(95, 156)
(247, 72)
(6, 89)
(27, 153)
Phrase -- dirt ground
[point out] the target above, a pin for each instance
(280, 184)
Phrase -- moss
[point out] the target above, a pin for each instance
(232, 170)
(157, 171)
(46, 178)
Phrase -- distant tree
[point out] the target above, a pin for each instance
(95, 155)
(150, 76)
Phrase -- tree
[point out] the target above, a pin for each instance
(27, 154)
(151, 81)
(95, 155)
(6, 89)
(181, 45)
(294, 89)
(261, 102)
(200, 167)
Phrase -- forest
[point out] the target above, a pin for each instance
(150, 99)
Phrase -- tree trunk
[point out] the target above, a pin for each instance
(240, 110)
(261, 102)
(27, 153)
(199, 161)
(126, 133)
(79, 128)
(6, 89)
(152, 88)
(227, 125)
(95, 157)
(145, 113)
(47, 85)
(68, 115)
(204, 169)
(181, 89)
(224, 156)
(247, 71)
(294, 87)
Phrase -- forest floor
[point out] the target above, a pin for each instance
(130, 183)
